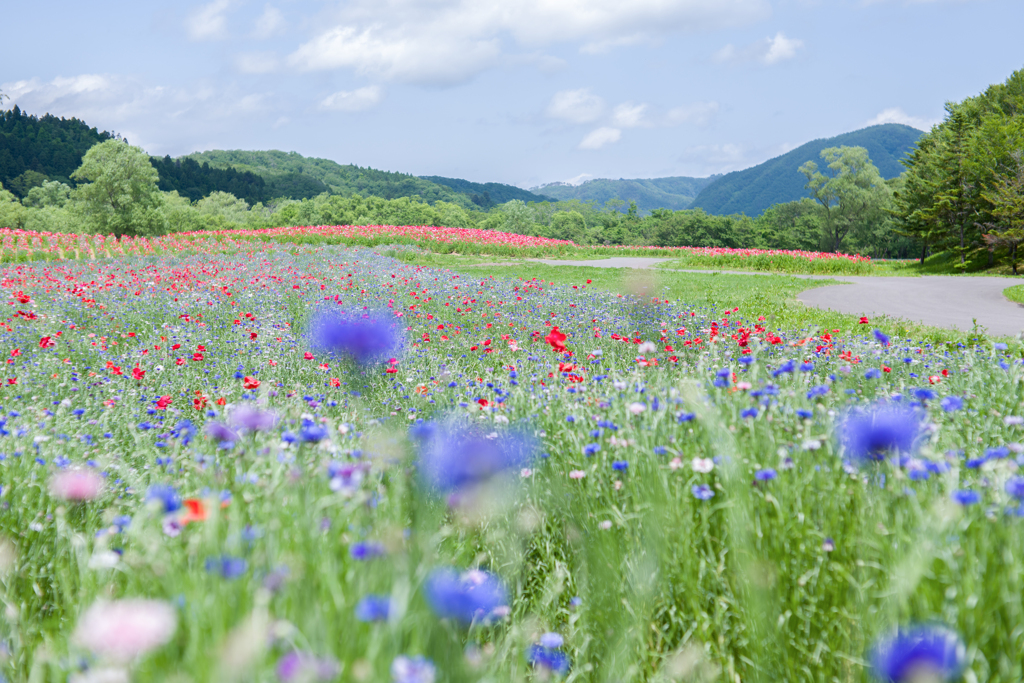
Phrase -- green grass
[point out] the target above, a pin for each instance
(1015, 293)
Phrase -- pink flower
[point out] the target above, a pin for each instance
(124, 629)
(577, 474)
(77, 485)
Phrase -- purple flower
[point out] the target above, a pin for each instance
(919, 653)
(549, 659)
(302, 666)
(367, 550)
(766, 474)
(702, 492)
(873, 373)
(251, 419)
(412, 670)
(220, 432)
(346, 477)
(882, 338)
(466, 597)
(951, 404)
(228, 567)
(1015, 487)
(871, 434)
(373, 608)
(366, 337)
(454, 459)
(551, 640)
(966, 496)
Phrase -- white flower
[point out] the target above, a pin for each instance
(702, 465)
(525, 472)
(124, 629)
(647, 347)
(606, 524)
(637, 408)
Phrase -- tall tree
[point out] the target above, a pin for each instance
(120, 193)
(1007, 200)
(848, 190)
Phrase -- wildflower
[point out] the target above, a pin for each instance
(221, 432)
(620, 465)
(46, 343)
(312, 433)
(577, 474)
(251, 419)
(828, 545)
(556, 339)
(869, 435)
(138, 373)
(591, 448)
(605, 525)
(302, 667)
(1015, 487)
(637, 408)
(412, 670)
(702, 465)
(227, 566)
(166, 495)
(748, 413)
(250, 382)
(373, 608)
(951, 404)
(124, 629)
(766, 474)
(873, 373)
(458, 458)
(702, 492)
(365, 337)
(966, 497)
(163, 402)
(367, 550)
(882, 338)
(466, 597)
(77, 485)
(804, 414)
(548, 659)
(918, 654)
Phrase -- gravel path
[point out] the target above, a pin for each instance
(938, 300)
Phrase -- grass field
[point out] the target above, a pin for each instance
(701, 480)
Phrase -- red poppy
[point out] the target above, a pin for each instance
(12, 381)
(163, 402)
(221, 401)
(179, 361)
(138, 373)
(335, 382)
(199, 402)
(197, 356)
(194, 511)
(863, 320)
(557, 339)
(250, 382)
(46, 342)
(483, 402)
(307, 355)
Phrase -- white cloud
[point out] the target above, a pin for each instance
(208, 22)
(257, 62)
(698, 114)
(629, 115)
(449, 41)
(897, 115)
(767, 51)
(353, 100)
(120, 103)
(600, 137)
(579, 180)
(269, 24)
(576, 106)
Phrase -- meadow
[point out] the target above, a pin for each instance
(263, 460)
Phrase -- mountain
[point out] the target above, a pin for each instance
(289, 174)
(486, 195)
(652, 193)
(34, 149)
(778, 180)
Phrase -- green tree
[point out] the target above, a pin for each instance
(12, 213)
(50, 193)
(225, 206)
(848, 190)
(569, 225)
(1007, 200)
(518, 218)
(120, 194)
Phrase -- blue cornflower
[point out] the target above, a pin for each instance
(620, 465)
(227, 566)
(166, 495)
(412, 670)
(591, 448)
(869, 435)
(786, 367)
(221, 432)
(685, 417)
(766, 474)
(913, 654)
(873, 373)
(570, 419)
(996, 452)
(924, 394)
(549, 659)
(551, 640)
(366, 337)
(373, 608)
(702, 492)
(660, 450)
(951, 404)
(749, 412)
(1015, 487)
(882, 338)
(966, 496)
(807, 367)
(311, 433)
(467, 597)
(366, 550)
(804, 414)
(814, 392)
(455, 458)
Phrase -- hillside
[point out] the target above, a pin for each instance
(652, 193)
(293, 175)
(777, 180)
(34, 149)
(486, 195)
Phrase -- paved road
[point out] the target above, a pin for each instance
(938, 300)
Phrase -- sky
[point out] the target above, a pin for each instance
(523, 92)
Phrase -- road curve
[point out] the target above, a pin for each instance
(949, 301)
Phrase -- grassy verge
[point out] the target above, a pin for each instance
(1015, 293)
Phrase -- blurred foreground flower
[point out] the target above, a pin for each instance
(124, 629)
(874, 433)
(919, 655)
(453, 459)
(77, 485)
(251, 419)
(412, 670)
(299, 667)
(365, 337)
(474, 595)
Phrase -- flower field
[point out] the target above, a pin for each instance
(259, 462)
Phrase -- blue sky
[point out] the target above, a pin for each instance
(522, 92)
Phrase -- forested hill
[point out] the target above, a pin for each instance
(34, 149)
(779, 180)
(652, 193)
(486, 195)
(293, 175)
